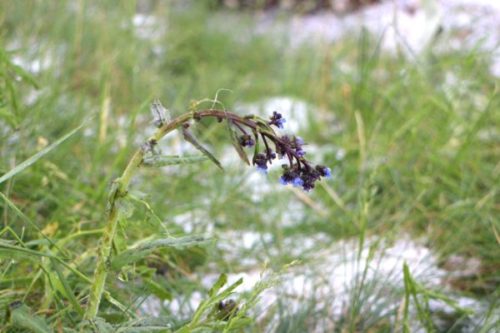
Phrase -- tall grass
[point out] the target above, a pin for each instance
(413, 144)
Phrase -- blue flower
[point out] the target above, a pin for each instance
(277, 120)
(324, 171)
(299, 141)
(297, 182)
(246, 141)
(260, 160)
(328, 173)
(280, 122)
(262, 168)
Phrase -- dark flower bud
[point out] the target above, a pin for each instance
(246, 141)
(260, 160)
(324, 171)
(277, 120)
(299, 141)
(271, 155)
(290, 176)
(226, 309)
(300, 152)
(296, 144)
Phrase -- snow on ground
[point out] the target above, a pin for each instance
(407, 26)
(331, 274)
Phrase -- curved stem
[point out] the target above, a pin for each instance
(120, 187)
(117, 192)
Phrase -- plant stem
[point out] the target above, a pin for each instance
(117, 192)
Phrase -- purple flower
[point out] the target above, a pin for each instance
(262, 169)
(277, 120)
(328, 173)
(299, 141)
(271, 155)
(260, 160)
(297, 181)
(246, 141)
(324, 171)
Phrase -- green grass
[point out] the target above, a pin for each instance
(421, 158)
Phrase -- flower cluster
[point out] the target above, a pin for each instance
(253, 131)
(298, 171)
(262, 159)
(305, 177)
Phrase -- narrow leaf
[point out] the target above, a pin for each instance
(26, 219)
(163, 160)
(70, 295)
(147, 325)
(9, 117)
(188, 136)
(158, 290)
(10, 251)
(236, 143)
(27, 77)
(140, 251)
(221, 281)
(37, 156)
(7, 249)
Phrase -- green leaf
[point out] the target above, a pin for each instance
(8, 250)
(67, 291)
(9, 117)
(26, 219)
(221, 281)
(157, 289)
(125, 208)
(21, 317)
(144, 248)
(164, 160)
(189, 137)
(146, 325)
(27, 77)
(25, 164)
(214, 298)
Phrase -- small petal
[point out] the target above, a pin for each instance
(328, 173)
(262, 169)
(298, 182)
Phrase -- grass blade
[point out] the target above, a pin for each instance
(67, 289)
(25, 164)
(27, 219)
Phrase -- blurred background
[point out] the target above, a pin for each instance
(399, 98)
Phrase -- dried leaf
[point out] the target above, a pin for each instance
(188, 136)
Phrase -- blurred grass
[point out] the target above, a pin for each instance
(421, 139)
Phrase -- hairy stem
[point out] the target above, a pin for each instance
(118, 191)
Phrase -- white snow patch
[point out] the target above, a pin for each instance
(407, 26)
(148, 27)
